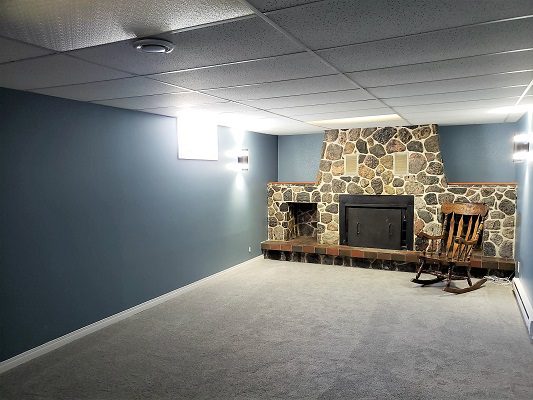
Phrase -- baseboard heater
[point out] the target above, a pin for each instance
(524, 304)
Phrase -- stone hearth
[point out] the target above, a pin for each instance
(425, 180)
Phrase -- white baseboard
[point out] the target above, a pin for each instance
(95, 326)
(525, 304)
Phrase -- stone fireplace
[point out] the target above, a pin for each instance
(423, 179)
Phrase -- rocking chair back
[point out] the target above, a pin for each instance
(462, 226)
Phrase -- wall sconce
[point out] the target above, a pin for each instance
(521, 144)
(242, 159)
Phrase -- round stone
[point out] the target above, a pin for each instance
(337, 168)
(489, 249)
(485, 192)
(325, 218)
(394, 146)
(287, 195)
(366, 172)
(492, 224)
(354, 188)
(361, 146)
(508, 233)
(332, 208)
(507, 206)
(387, 177)
(425, 215)
(417, 163)
(333, 151)
(325, 165)
(496, 238)
(364, 182)
(383, 135)
(387, 161)
(377, 150)
(432, 144)
(349, 148)
(509, 221)
(510, 194)
(338, 186)
(425, 179)
(354, 133)
(327, 177)
(415, 145)
(303, 197)
(496, 215)
(422, 132)
(431, 199)
(371, 161)
(435, 168)
(366, 132)
(446, 198)
(414, 188)
(377, 185)
(325, 188)
(506, 249)
(331, 135)
(405, 135)
(397, 182)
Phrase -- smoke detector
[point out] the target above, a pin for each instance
(153, 45)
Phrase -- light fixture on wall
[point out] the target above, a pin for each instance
(243, 159)
(521, 147)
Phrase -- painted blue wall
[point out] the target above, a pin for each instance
(299, 157)
(471, 153)
(478, 153)
(524, 230)
(99, 215)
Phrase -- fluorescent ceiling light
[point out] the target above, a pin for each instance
(511, 109)
(347, 122)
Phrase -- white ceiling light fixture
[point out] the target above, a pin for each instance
(350, 122)
(153, 46)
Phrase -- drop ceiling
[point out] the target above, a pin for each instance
(278, 66)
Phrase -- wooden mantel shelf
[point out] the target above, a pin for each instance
(293, 183)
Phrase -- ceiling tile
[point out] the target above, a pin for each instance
(117, 88)
(292, 87)
(454, 85)
(53, 70)
(340, 22)
(435, 46)
(458, 105)
(13, 50)
(270, 5)
(212, 45)
(211, 108)
(344, 114)
(456, 96)
(293, 66)
(159, 100)
(61, 25)
(281, 126)
(457, 68)
(326, 108)
(453, 118)
(310, 99)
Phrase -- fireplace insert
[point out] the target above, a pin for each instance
(383, 222)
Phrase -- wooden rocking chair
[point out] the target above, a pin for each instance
(462, 231)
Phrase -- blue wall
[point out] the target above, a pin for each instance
(471, 153)
(478, 153)
(99, 215)
(524, 177)
(299, 157)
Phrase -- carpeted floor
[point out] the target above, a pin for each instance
(280, 330)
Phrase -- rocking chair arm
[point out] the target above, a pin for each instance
(424, 235)
(466, 242)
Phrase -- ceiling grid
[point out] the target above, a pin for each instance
(279, 65)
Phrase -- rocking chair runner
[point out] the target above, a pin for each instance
(462, 228)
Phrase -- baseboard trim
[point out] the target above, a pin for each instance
(525, 305)
(95, 326)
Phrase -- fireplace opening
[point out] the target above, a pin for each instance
(383, 222)
(303, 220)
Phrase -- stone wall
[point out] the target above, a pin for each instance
(425, 181)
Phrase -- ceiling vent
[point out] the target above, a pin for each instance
(153, 45)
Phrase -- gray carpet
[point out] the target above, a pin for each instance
(280, 330)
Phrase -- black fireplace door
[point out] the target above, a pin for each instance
(374, 227)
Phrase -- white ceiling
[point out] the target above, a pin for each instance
(274, 66)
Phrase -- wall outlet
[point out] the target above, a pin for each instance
(249, 249)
